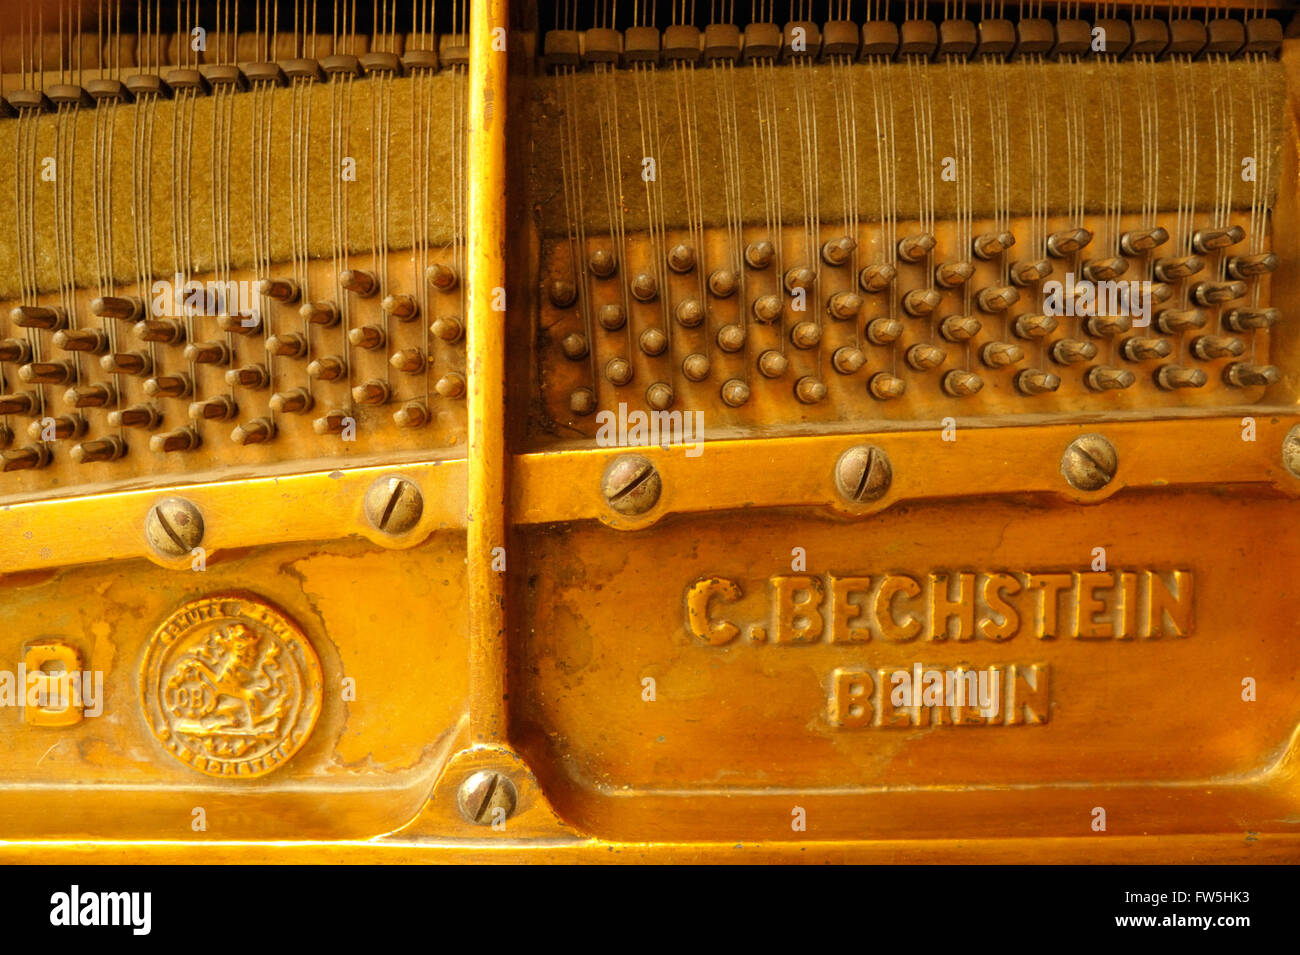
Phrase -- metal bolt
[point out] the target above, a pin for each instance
(1291, 451)
(393, 505)
(174, 527)
(863, 474)
(487, 796)
(631, 484)
(1089, 462)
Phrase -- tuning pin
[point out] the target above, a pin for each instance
(250, 376)
(372, 392)
(922, 357)
(1145, 349)
(844, 305)
(723, 283)
(1139, 241)
(645, 287)
(1244, 375)
(1032, 381)
(961, 383)
(602, 263)
(1104, 326)
(953, 274)
(759, 255)
(806, 335)
(6, 436)
(359, 281)
(959, 328)
(1208, 240)
(168, 386)
(51, 318)
(991, 244)
(877, 278)
(218, 408)
(883, 331)
(886, 386)
(126, 363)
(1027, 273)
(799, 277)
(240, 324)
(329, 368)
(24, 459)
(99, 449)
(282, 290)
(574, 346)
(696, 366)
(401, 307)
(56, 429)
(409, 360)
(1210, 347)
(1180, 267)
(257, 431)
(288, 345)
(17, 350)
(1245, 266)
(847, 359)
(368, 337)
(772, 364)
(332, 422)
(767, 309)
(90, 340)
(997, 298)
(324, 314)
(618, 371)
(1001, 354)
(1171, 321)
(1217, 293)
(163, 330)
(920, 302)
(1169, 377)
(136, 416)
(182, 439)
(689, 312)
(47, 372)
(125, 308)
(1067, 242)
(207, 353)
(293, 401)
(1034, 326)
(1247, 319)
(734, 392)
(611, 317)
(1071, 351)
(444, 278)
(659, 396)
(731, 338)
(1103, 378)
(90, 396)
(838, 251)
(914, 248)
(809, 390)
(653, 342)
(20, 403)
(681, 258)
(1160, 291)
(582, 401)
(1104, 270)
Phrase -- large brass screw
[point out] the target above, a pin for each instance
(174, 527)
(863, 474)
(1089, 463)
(631, 484)
(487, 796)
(393, 505)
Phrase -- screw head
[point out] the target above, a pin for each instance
(1291, 451)
(174, 527)
(393, 505)
(863, 474)
(631, 484)
(485, 795)
(1089, 463)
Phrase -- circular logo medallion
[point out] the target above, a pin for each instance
(231, 686)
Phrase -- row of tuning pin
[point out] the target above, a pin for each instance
(180, 385)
